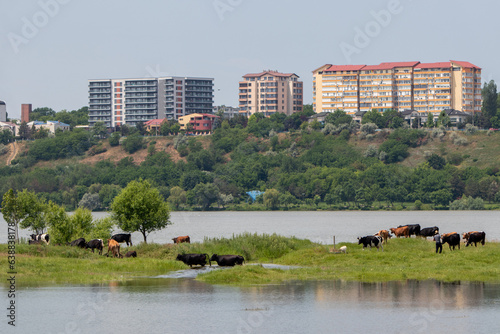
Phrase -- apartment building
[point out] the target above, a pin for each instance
(129, 101)
(424, 87)
(269, 92)
(3, 112)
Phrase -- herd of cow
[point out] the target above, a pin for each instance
(452, 238)
(114, 248)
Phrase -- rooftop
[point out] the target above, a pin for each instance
(269, 72)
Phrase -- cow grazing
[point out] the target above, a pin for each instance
(95, 244)
(80, 242)
(131, 254)
(194, 259)
(123, 237)
(452, 240)
(371, 241)
(182, 239)
(41, 237)
(401, 231)
(429, 231)
(474, 237)
(413, 229)
(114, 248)
(384, 234)
(227, 260)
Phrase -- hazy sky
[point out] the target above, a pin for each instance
(50, 48)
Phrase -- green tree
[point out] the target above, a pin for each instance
(42, 114)
(177, 197)
(12, 211)
(34, 209)
(374, 116)
(436, 161)
(205, 194)
(271, 199)
(140, 207)
(114, 139)
(99, 130)
(490, 98)
(133, 143)
(6, 137)
(443, 119)
(430, 121)
(90, 201)
(61, 229)
(24, 131)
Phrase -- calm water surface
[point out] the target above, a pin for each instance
(159, 305)
(315, 226)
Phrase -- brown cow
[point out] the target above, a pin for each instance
(114, 247)
(401, 231)
(447, 234)
(466, 235)
(182, 239)
(384, 234)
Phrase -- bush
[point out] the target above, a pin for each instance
(371, 152)
(471, 129)
(133, 143)
(455, 159)
(467, 203)
(368, 128)
(114, 140)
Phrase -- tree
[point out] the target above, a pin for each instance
(99, 130)
(60, 226)
(490, 97)
(24, 131)
(133, 143)
(34, 209)
(12, 212)
(90, 202)
(271, 199)
(114, 140)
(436, 161)
(205, 194)
(373, 116)
(177, 197)
(430, 121)
(443, 119)
(140, 207)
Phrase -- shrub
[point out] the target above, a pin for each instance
(370, 152)
(467, 203)
(133, 143)
(114, 140)
(368, 128)
(455, 159)
(471, 129)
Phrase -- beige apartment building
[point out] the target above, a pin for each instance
(269, 92)
(424, 87)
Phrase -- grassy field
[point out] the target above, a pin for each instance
(401, 259)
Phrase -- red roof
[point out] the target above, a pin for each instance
(274, 73)
(344, 68)
(390, 66)
(434, 65)
(155, 121)
(465, 64)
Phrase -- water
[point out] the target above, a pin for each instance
(167, 305)
(316, 226)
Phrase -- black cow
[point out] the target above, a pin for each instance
(227, 260)
(372, 241)
(452, 240)
(34, 242)
(95, 244)
(429, 231)
(131, 254)
(414, 229)
(194, 259)
(80, 242)
(475, 237)
(41, 237)
(123, 237)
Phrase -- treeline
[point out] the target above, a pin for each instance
(310, 165)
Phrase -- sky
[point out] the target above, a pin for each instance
(49, 49)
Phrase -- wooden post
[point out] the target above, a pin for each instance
(334, 242)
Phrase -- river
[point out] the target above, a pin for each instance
(176, 303)
(318, 226)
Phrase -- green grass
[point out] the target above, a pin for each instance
(401, 259)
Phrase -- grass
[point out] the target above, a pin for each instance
(401, 259)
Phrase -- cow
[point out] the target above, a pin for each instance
(401, 231)
(429, 231)
(452, 240)
(384, 234)
(34, 242)
(413, 229)
(448, 234)
(114, 248)
(182, 239)
(80, 242)
(131, 254)
(43, 237)
(474, 238)
(194, 259)
(95, 244)
(123, 237)
(372, 241)
(227, 260)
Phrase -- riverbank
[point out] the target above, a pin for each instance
(401, 259)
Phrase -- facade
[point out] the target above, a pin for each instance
(424, 87)
(8, 126)
(118, 102)
(52, 126)
(3, 112)
(199, 122)
(154, 125)
(269, 92)
(229, 112)
(25, 112)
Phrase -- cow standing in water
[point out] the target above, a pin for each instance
(227, 260)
